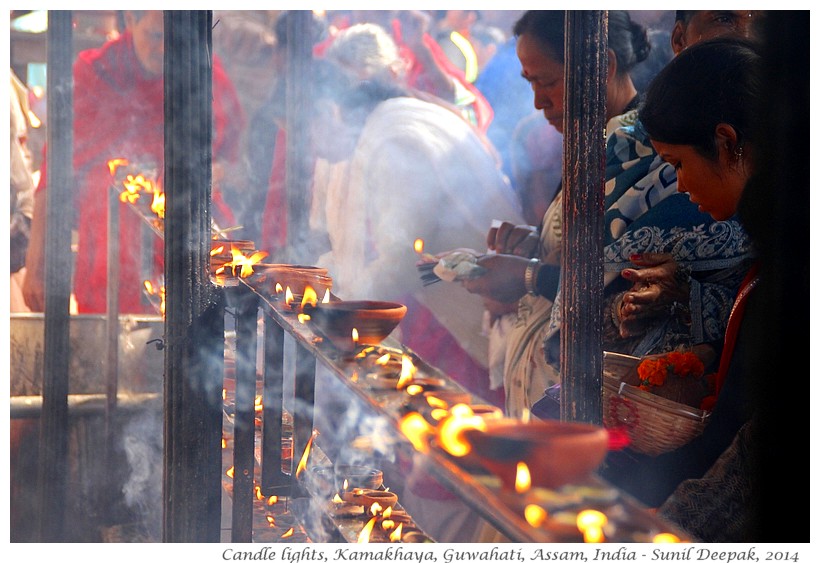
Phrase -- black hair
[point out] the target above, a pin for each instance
(547, 26)
(714, 81)
(627, 39)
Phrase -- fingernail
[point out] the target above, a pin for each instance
(627, 274)
(634, 257)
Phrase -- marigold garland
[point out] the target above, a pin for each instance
(652, 372)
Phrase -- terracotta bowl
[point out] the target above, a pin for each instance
(373, 320)
(366, 498)
(296, 277)
(556, 453)
(357, 476)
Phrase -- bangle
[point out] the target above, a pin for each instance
(529, 275)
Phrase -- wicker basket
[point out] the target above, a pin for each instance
(655, 425)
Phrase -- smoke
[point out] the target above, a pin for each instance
(142, 490)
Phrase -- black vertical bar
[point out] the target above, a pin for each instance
(194, 355)
(244, 415)
(584, 150)
(298, 163)
(304, 391)
(53, 466)
(274, 480)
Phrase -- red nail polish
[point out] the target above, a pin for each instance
(627, 274)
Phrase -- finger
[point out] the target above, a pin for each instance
(492, 235)
(501, 238)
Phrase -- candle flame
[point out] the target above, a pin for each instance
(287, 534)
(271, 520)
(303, 461)
(418, 245)
(590, 519)
(364, 535)
(450, 431)
(523, 481)
(383, 359)
(273, 499)
(375, 508)
(665, 537)
(535, 515)
(230, 472)
(257, 490)
(336, 498)
(326, 298)
(408, 370)
(417, 430)
(288, 296)
(395, 535)
(593, 535)
(309, 297)
(354, 335)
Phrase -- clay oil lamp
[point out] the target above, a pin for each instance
(373, 321)
(274, 280)
(542, 453)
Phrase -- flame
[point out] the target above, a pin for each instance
(408, 370)
(278, 288)
(387, 524)
(345, 485)
(288, 296)
(395, 535)
(535, 515)
(436, 402)
(303, 462)
(418, 245)
(273, 499)
(149, 287)
(364, 535)
(450, 432)
(336, 498)
(309, 298)
(158, 204)
(230, 472)
(383, 359)
(354, 335)
(287, 534)
(224, 443)
(217, 250)
(591, 523)
(665, 537)
(257, 404)
(417, 430)
(244, 263)
(326, 298)
(525, 415)
(593, 535)
(115, 163)
(302, 318)
(375, 509)
(523, 481)
(257, 490)
(271, 520)
(439, 414)
(387, 512)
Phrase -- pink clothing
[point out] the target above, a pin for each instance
(119, 113)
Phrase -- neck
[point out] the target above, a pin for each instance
(622, 94)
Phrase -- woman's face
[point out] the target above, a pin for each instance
(546, 77)
(715, 186)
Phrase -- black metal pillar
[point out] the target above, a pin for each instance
(54, 422)
(194, 356)
(584, 158)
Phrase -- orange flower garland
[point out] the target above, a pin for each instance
(652, 372)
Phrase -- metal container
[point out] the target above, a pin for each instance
(140, 357)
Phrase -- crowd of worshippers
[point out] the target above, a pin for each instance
(447, 126)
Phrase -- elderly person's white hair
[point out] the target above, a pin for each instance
(366, 51)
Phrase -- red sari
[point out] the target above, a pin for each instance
(119, 113)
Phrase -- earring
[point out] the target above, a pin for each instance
(738, 152)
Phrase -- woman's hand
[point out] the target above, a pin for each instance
(660, 288)
(503, 280)
(519, 240)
